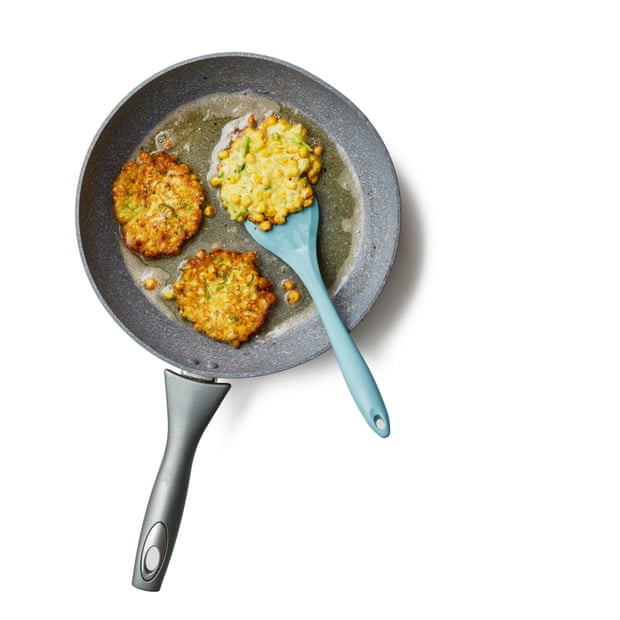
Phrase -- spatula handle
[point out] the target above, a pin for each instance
(354, 369)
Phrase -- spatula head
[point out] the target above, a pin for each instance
(288, 241)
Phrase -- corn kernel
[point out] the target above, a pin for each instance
(293, 297)
(150, 284)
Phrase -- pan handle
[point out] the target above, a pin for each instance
(191, 404)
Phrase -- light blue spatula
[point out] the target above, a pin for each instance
(295, 243)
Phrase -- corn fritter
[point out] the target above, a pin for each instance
(157, 201)
(224, 295)
(267, 172)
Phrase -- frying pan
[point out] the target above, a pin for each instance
(194, 390)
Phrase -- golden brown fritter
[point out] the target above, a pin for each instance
(267, 172)
(158, 203)
(224, 295)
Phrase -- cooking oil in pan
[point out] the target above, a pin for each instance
(195, 133)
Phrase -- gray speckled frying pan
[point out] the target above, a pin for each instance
(193, 394)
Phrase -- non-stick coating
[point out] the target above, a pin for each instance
(177, 343)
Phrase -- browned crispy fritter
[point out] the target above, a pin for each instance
(157, 200)
(224, 295)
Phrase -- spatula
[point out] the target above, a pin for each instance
(295, 243)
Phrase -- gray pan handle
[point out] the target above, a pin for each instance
(191, 404)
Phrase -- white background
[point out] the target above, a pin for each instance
(496, 342)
